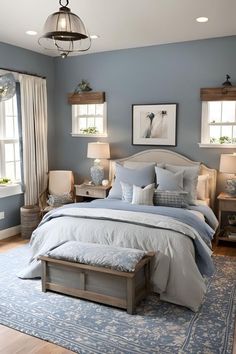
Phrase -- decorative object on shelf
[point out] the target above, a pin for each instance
(83, 86)
(232, 219)
(7, 87)
(4, 181)
(228, 165)
(227, 83)
(98, 151)
(154, 124)
(105, 182)
(65, 32)
(89, 130)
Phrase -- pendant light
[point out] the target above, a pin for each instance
(7, 87)
(65, 33)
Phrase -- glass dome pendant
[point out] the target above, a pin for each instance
(65, 32)
(7, 87)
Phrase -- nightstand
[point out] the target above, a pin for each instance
(226, 232)
(91, 191)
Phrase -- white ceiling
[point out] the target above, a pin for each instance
(122, 23)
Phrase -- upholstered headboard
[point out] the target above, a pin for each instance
(170, 157)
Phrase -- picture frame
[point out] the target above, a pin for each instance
(154, 124)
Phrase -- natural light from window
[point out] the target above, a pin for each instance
(89, 120)
(219, 123)
(9, 141)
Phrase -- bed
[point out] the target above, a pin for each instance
(182, 236)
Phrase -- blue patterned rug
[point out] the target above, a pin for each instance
(88, 328)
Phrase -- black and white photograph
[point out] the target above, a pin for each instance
(154, 124)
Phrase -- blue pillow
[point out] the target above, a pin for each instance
(140, 177)
(190, 177)
(167, 180)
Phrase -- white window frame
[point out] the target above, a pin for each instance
(15, 186)
(205, 130)
(75, 122)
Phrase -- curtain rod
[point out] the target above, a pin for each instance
(23, 72)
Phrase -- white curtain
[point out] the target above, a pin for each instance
(34, 136)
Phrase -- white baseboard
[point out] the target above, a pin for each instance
(12, 231)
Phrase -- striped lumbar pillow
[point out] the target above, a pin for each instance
(143, 195)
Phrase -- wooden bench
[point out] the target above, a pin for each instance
(98, 284)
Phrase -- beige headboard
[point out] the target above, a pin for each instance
(170, 157)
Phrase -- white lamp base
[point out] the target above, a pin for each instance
(231, 186)
(97, 174)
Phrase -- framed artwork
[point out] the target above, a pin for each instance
(154, 124)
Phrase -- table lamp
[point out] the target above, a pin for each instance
(228, 165)
(98, 151)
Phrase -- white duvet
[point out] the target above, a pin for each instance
(175, 275)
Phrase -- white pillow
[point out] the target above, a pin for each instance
(144, 195)
(202, 187)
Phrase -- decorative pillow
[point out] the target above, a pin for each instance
(127, 192)
(202, 187)
(144, 195)
(58, 200)
(189, 180)
(119, 258)
(175, 199)
(167, 180)
(140, 177)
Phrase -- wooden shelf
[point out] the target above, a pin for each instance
(86, 98)
(218, 93)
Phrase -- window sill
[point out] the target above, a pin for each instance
(218, 146)
(89, 135)
(9, 190)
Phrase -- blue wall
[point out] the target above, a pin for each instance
(157, 74)
(24, 60)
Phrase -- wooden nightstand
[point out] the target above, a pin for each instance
(227, 203)
(91, 191)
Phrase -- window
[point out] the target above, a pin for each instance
(89, 120)
(89, 114)
(9, 141)
(218, 117)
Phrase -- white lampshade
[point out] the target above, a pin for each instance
(98, 150)
(228, 163)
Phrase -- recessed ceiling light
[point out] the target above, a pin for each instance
(94, 36)
(202, 19)
(31, 33)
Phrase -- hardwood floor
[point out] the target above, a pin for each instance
(15, 342)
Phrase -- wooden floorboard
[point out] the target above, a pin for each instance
(15, 342)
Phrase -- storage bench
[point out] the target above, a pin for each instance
(123, 289)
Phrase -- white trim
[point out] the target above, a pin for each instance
(89, 135)
(11, 189)
(12, 231)
(218, 146)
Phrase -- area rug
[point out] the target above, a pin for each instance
(87, 328)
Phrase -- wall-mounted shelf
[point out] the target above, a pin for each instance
(86, 98)
(218, 93)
